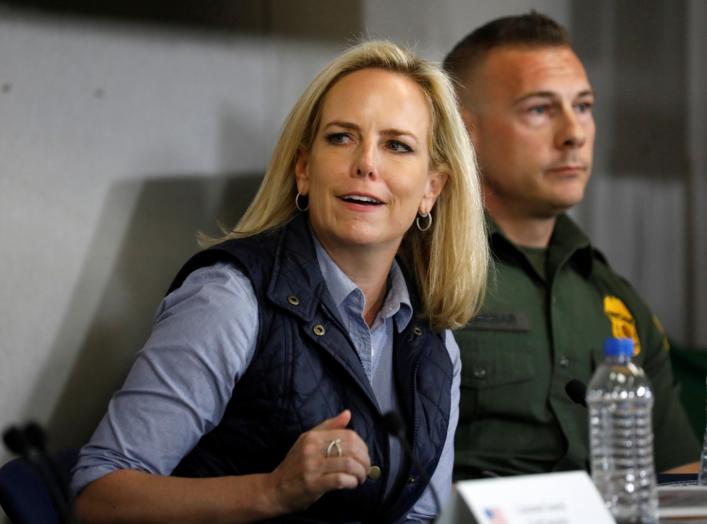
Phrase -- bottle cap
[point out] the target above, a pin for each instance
(618, 347)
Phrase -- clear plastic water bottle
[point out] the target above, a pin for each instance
(702, 477)
(620, 402)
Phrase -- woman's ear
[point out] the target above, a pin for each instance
(302, 171)
(435, 184)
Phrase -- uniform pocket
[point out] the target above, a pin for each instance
(497, 376)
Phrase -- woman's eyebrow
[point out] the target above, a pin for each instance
(393, 131)
(342, 123)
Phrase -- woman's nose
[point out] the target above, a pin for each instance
(365, 163)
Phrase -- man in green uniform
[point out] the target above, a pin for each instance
(553, 299)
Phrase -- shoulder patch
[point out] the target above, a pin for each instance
(623, 324)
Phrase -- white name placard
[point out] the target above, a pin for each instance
(554, 498)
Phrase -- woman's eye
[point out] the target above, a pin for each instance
(337, 138)
(399, 147)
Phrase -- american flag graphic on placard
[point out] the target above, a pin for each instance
(495, 516)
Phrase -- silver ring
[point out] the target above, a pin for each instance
(334, 444)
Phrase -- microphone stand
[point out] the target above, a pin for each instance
(393, 424)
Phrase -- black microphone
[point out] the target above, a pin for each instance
(15, 441)
(36, 438)
(393, 424)
(577, 391)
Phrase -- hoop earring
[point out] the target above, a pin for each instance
(423, 216)
(298, 205)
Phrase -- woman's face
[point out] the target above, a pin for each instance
(368, 171)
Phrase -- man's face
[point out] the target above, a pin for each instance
(529, 113)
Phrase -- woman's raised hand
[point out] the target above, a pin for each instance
(323, 459)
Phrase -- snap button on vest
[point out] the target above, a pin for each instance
(293, 300)
(374, 472)
(319, 330)
(411, 479)
(417, 331)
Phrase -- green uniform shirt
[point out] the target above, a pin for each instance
(539, 329)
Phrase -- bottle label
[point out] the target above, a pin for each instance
(623, 324)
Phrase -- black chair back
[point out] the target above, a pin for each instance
(24, 494)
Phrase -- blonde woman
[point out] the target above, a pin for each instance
(262, 390)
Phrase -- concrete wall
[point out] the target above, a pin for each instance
(118, 142)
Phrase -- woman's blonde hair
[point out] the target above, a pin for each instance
(449, 261)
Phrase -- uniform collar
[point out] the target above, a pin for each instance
(568, 243)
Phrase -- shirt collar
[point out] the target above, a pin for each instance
(568, 241)
(397, 302)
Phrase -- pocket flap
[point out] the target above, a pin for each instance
(487, 367)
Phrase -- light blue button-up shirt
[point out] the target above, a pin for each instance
(203, 340)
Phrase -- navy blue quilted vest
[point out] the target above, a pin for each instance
(305, 369)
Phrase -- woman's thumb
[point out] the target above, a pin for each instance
(340, 421)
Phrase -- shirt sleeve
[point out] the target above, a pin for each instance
(426, 509)
(203, 339)
(674, 441)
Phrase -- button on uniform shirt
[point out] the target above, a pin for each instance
(543, 323)
(179, 386)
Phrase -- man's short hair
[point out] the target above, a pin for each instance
(529, 30)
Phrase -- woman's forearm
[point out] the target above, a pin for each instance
(135, 496)
(307, 472)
